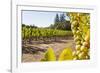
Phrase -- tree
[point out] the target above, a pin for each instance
(61, 23)
(57, 18)
(67, 25)
(62, 17)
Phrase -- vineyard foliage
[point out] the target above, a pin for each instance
(28, 32)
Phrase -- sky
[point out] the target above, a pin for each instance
(39, 18)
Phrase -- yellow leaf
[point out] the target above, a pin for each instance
(49, 55)
(66, 55)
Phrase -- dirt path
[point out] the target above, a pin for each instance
(57, 46)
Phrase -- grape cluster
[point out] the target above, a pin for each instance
(80, 25)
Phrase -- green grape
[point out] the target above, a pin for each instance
(74, 23)
(87, 38)
(74, 32)
(78, 47)
(84, 49)
(81, 55)
(74, 53)
(85, 43)
(75, 58)
(78, 38)
(78, 52)
(78, 32)
(87, 57)
(78, 42)
(72, 26)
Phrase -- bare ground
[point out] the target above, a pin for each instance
(57, 46)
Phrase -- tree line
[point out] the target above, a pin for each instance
(60, 22)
